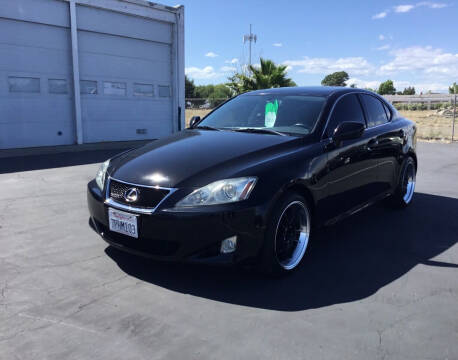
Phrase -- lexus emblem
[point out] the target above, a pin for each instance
(131, 194)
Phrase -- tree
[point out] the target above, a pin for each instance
(409, 91)
(213, 93)
(387, 88)
(267, 75)
(204, 91)
(220, 93)
(453, 89)
(335, 79)
(189, 88)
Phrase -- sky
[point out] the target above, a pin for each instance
(411, 43)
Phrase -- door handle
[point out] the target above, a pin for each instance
(403, 136)
(372, 144)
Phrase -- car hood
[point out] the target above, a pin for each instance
(193, 158)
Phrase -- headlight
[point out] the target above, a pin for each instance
(220, 192)
(100, 177)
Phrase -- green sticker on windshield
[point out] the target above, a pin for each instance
(271, 114)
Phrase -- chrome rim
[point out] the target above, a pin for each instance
(292, 235)
(408, 184)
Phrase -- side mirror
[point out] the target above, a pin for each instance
(194, 120)
(347, 131)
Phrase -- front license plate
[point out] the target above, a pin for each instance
(123, 222)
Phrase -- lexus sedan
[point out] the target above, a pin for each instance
(250, 182)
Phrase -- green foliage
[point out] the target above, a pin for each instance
(438, 106)
(409, 91)
(338, 78)
(204, 91)
(189, 88)
(268, 75)
(387, 88)
(214, 93)
(221, 91)
(453, 89)
(419, 106)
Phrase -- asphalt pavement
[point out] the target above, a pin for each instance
(383, 284)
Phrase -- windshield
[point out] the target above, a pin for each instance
(290, 114)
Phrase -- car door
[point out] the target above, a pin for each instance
(351, 168)
(387, 140)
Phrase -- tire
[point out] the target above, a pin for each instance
(287, 235)
(403, 194)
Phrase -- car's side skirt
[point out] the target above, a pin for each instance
(357, 209)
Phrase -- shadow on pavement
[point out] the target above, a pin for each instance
(56, 160)
(347, 262)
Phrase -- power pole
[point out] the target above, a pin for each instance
(250, 38)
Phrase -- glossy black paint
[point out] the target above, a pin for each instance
(337, 177)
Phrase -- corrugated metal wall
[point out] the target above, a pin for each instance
(125, 71)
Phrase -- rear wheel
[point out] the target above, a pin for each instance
(288, 235)
(406, 187)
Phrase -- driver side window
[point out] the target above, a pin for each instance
(348, 108)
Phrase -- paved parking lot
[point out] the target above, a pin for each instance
(381, 285)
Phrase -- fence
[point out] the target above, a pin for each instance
(435, 114)
(202, 103)
(427, 99)
(200, 107)
(441, 124)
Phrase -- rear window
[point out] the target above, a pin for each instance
(376, 114)
(388, 112)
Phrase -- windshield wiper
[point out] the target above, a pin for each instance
(205, 127)
(259, 131)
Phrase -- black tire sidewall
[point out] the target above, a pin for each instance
(269, 261)
(398, 197)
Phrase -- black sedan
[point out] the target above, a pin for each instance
(250, 182)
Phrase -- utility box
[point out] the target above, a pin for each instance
(84, 71)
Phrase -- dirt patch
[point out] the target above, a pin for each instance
(189, 113)
(431, 125)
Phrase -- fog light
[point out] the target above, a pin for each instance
(229, 245)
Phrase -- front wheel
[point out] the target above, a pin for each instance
(288, 235)
(404, 192)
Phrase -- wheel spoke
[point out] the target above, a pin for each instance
(408, 182)
(292, 235)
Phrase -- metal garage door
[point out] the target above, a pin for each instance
(122, 58)
(36, 105)
(125, 73)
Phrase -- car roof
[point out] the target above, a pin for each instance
(325, 91)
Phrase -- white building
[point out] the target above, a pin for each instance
(83, 71)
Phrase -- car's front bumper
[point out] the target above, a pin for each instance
(185, 236)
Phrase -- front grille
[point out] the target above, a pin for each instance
(147, 197)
